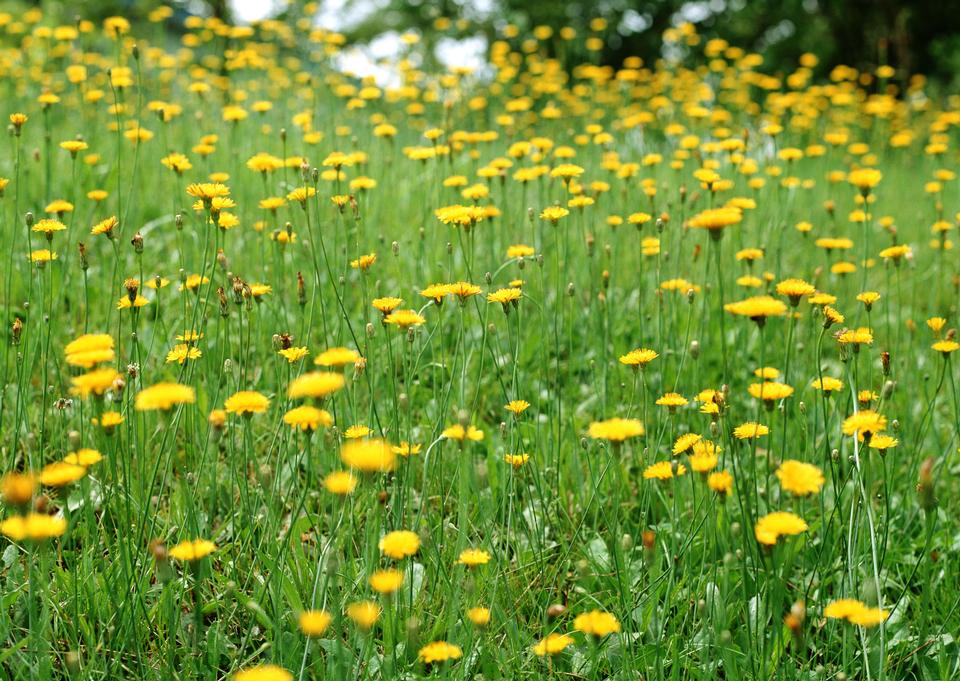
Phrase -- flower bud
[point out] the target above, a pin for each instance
(925, 486)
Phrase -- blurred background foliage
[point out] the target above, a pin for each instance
(914, 36)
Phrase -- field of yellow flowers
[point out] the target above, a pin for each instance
(544, 370)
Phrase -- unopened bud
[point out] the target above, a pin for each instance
(925, 486)
(301, 290)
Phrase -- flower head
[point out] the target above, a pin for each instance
(615, 429)
(800, 478)
(370, 456)
(192, 550)
(246, 402)
(778, 524)
(164, 396)
(439, 651)
(400, 544)
(596, 623)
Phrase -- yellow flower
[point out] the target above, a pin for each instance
(704, 457)
(400, 544)
(749, 430)
(640, 357)
(387, 305)
(552, 644)
(473, 557)
(827, 384)
(883, 442)
(176, 162)
(864, 423)
(520, 251)
(946, 346)
(182, 352)
(855, 337)
(246, 402)
(831, 316)
(936, 324)
(164, 396)
(207, 191)
(864, 179)
(105, 227)
(517, 407)
(48, 226)
(479, 616)
(59, 207)
(770, 391)
(685, 442)
(336, 357)
(61, 473)
(192, 550)
(404, 318)
(458, 432)
(868, 617)
(83, 457)
(364, 614)
(109, 420)
(663, 470)
(364, 262)
(800, 478)
(125, 303)
(317, 384)
(672, 400)
(505, 296)
(307, 418)
(369, 456)
(386, 581)
(596, 623)
(439, 651)
(842, 608)
(795, 289)
(314, 623)
(263, 672)
(436, 292)
(340, 483)
(615, 429)
(293, 354)
(855, 612)
(516, 460)
(406, 449)
(194, 281)
(89, 349)
(33, 526)
(868, 298)
(720, 482)
(463, 290)
(566, 171)
(95, 382)
(757, 308)
(778, 524)
(716, 219)
(42, 255)
(554, 213)
(301, 194)
(18, 488)
(356, 432)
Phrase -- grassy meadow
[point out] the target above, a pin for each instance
(548, 369)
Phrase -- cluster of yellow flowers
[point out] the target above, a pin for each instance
(444, 342)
